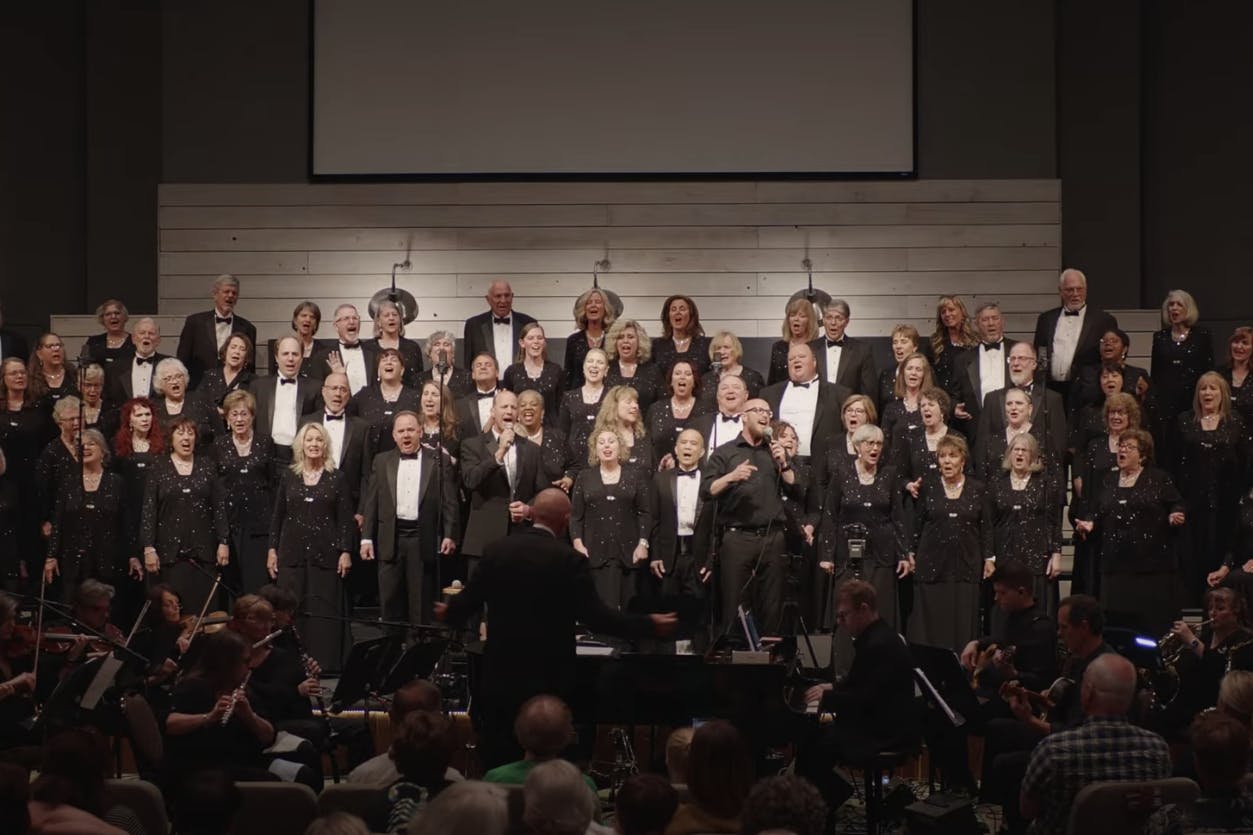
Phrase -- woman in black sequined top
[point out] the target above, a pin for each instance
(534, 371)
(246, 468)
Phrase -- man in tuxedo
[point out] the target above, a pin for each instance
(810, 404)
(347, 352)
(205, 333)
(874, 704)
(502, 472)
(1071, 333)
(724, 425)
(1047, 409)
(284, 398)
(474, 410)
(537, 588)
(12, 344)
(983, 370)
(134, 378)
(681, 542)
(497, 331)
(348, 433)
(844, 359)
(407, 516)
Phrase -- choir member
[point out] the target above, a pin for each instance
(809, 404)
(59, 459)
(630, 353)
(51, 375)
(495, 331)
(1211, 471)
(311, 540)
(1071, 334)
(953, 336)
(93, 397)
(114, 344)
(982, 370)
(579, 406)
(863, 501)
(725, 425)
(380, 402)
(593, 316)
(1089, 421)
(90, 538)
(473, 410)
(438, 428)
(555, 451)
(1132, 514)
(1121, 414)
(990, 447)
(348, 437)
(305, 321)
(620, 412)
(947, 555)
(1237, 569)
(681, 542)
(137, 445)
(347, 352)
(1023, 516)
(905, 343)
(900, 415)
(174, 400)
(1113, 347)
(441, 350)
(205, 333)
(843, 359)
(669, 416)
(1236, 372)
(284, 397)
(246, 468)
(535, 371)
(800, 326)
(682, 336)
(609, 521)
(389, 334)
(24, 430)
(915, 456)
(184, 530)
(1047, 405)
(231, 372)
(794, 504)
(132, 375)
(1182, 352)
(726, 356)
(856, 411)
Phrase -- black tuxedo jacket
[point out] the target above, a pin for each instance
(1096, 323)
(322, 349)
(118, 381)
(13, 345)
(308, 393)
(827, 422)
(478, 338)
(356, 454)
(488, 486)
(992, 418)
(857, 368)
(663, 511)
(198, 343)
(966, 370)
(378, 500)
(467, 411)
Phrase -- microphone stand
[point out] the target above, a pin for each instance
(441, 368)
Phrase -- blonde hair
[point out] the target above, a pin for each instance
(1033, 449)
(939, 337)
(298, 447)
(1125, 402)
(1190, 311)
(607, 415)
(737, 347)
(580, 309)
(239, 397)
(644, 352)
(592, 459)
(811, 319)
(1235, 696)
(928, 376)
(1224, 390)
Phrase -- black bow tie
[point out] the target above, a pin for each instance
(334, 417)
(801, 385)
(732, 418)
(144, 360)
(1070, 313)
(483, 395)
(283, 381)
(688, 473)
(496, 320)
(222, 320)
(350, 346)
(992, 346)
(835, 343)
(408, 456)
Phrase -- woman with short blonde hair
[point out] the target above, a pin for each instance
(800, 327)
(630, 354)
(1182, 352)
(593, 314)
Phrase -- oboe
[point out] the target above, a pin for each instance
(236, 695)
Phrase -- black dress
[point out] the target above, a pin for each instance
(1176, 368)
(97, 350)
(23, 436)
(777, 373)
(944, 365)
(1139, 562)
(53, 472)
(874, 512)
(913, 457)
(459, 381)
(371, 405)
(1241, 399)
(887, 384)
(707, 393)
(90, 538)
(411, 353)
(948, 545)
(1095, 464)
(555, 461)
(611, 519)
(647, 382)
(10, 524)
(895, 421)
(1025, 526)
(248, 481)
(575, 419)
(664, 427)
(548, 384)
(641, 456)
(204, 413)
(989, 453)
(311, 526)
(666, 355)
(184, 519)
(1211, 472)
(576, 351)
(213, 386)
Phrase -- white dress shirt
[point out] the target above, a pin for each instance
(798, 406)
(335, 430)
(485, 411)
(723, 432)
(502, 344)
(991, 370)
(141, 377)
(686, 491)
(834, 352)
(222, 330)
(354, 366)
(510, 463)
(408, 480)
(1066, 342)
(283, 424)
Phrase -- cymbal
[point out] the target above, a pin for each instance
(403, 299)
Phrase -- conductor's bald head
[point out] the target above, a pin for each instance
(551, 508)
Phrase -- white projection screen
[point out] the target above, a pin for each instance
(614, 87)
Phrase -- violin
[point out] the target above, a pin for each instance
(21, 643)
(58, 640)
(210, 623)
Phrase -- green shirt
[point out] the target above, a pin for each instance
(515, 774)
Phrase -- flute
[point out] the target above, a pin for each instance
(236, 695)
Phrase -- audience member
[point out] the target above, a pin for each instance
(644, 805)
(417, 695)
(544, 729)
(337, 823)
(205, 803)
(72, 774)
(557, 800)
(678, 755)
(783, 804)
(468, 808)
(422, 751)
(14, 797)
(720, 774)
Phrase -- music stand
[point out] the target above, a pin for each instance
(418, 661)
(365, 669)
(940, 676)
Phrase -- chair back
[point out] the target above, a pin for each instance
(275, 809)
(366, 802)
(145, 800)
(1121, 808)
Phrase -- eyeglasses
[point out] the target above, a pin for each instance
(871, 443)
(758, 410)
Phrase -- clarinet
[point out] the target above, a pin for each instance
(310, 666)
(236, 695)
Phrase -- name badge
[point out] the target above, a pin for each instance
(952, 516)
(309, 499)
(141, 464)
(611, 497)
(867, 504)
(244, 470)
(591, 418)
(90, 506)
(13, 423)
(1122, 501)
(1017, 507)
(388, 412)
(186, 489)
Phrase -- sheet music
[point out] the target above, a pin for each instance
(102, 682)
(953, 716)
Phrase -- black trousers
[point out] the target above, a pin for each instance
(407, 584)
(752, 570)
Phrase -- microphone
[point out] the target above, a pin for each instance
(715, 367)
(1042, 355)
(768, 434)
(441, 364)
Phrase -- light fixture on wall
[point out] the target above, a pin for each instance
(403, 299)
(818, 298)
(611, 298)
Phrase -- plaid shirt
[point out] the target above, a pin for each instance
(1103, 748)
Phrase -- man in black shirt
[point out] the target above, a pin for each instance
(745, 477)
(1023, 643)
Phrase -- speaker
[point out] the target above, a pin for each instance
(951, 814)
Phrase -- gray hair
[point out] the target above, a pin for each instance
(558, 801)
(97, 438)
(66, 407)
(866, 432)
(469, 807)
(1033, 449)
(93, 590)
(842, 306)
(225, 280)
(1190, 311)
(169, 365)
(987, 306)
(1061, 279)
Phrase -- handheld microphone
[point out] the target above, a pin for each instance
(768, 434)
(441, 364)
(715, 367)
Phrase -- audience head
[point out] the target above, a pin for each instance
(1220, 749)
(417, 695)
(593, 306)
(1080, 623)
(544, 727)
(644, 805)
(1012, 587)
(627, 341)
(146, 336)
(1109, 684)
(72, 771)
(557, 800)
(551, 508)
(423, 747)
(1235, 697)
(1179, 310)
(225, 293)
(856, 606)
(1022, 363)
(465, 808)
(801, 365)
(720, 771)
(679, 317)
(784, 804)
(337, 823)
(800, 322)
(500, 298)
(113, 315)
(1072, 287)
(14, 798)
(407, 431)
(205, 803)
(835, 319)
(678, 752)
(306, 319)
(990, 323)
(347, 323)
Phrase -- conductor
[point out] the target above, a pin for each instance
(536, 587)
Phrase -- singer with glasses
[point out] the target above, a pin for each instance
(246, 467)
(746, 478)
(52, 376)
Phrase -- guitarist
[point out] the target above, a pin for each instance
(1023, 643)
